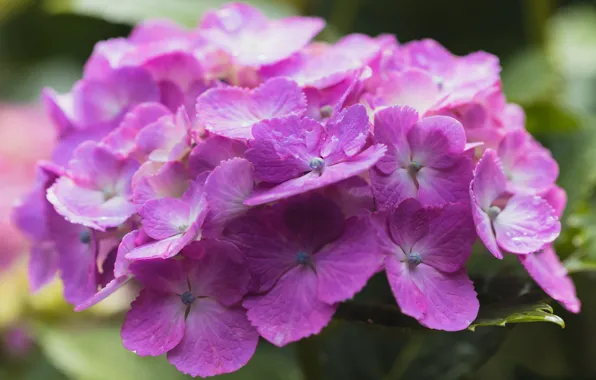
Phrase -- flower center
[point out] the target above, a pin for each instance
(326, 111)
(187, 298)
(493, 212)
(85, 237)
(414, 259)
(317, 164)
(303, 258)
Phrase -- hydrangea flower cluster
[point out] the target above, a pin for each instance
(251, 180)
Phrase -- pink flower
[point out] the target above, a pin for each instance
(427, 248)
(521, 224)
(232, 111)
(425, 159)
(304, 259)
(96, 190)
(301, 154)
(190, 309)
(251, 39)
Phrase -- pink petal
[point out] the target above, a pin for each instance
(170, 181)
(434, 137)
(451, 301)
(533, 173)
(448, 184)
(156, 30)
(226, 189)
(154, 324)
(231, 112)
(390, 190)
(106, 100)
(556, 197)
(269, 248)
(291, 310)
(162, 276)
(410, 299)
(161, 249)
(216, 340)
(526, 224)
(165, 217)
(344, 266)
(87, 206)
(489, 180)
(347, 133)
(314, 180)
(243, 32)
(449, 239)
(43, 264)
(211, 152)
(484, 228)
(414, 88)
(122, 140)
(219, 272)
(391, 127)
(409, 223)
(546, 269)
(283, 147)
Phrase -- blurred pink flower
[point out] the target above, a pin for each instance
(26, 136)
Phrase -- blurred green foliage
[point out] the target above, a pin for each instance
(548, 50)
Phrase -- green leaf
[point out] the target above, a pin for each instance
(501, 315)
(186, 12)
(575, 265)
(89, 352)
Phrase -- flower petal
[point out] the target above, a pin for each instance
(154, 324)
(217, 340)
(291, 310)
(526, 224)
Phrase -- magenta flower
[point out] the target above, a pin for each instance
(304, 259)
(530, 169)
(521, 224)
(190, 309)
(96, 191)
(251, 39)
(122, 140)
(232, 111)
(173, 223)
(208, 154)
(301, 154)
(426, 250)
(545, 267)
(167, 139)
(425, 159)
(168, 181)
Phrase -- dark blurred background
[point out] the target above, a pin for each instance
(548, 52)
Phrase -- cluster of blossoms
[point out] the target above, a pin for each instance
(251, 180)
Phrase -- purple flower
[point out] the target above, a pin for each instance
(190, 309)
(530, 168)
(301, 154)
(168, 181)
(167, 139)
(545, 267)
(426, 250)
(232, 111)
(251, 39)
(521, 224)
(212, 151)
(173, 223)
(96, 190)
(425, 159)
(122, 140)
(304, 259)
